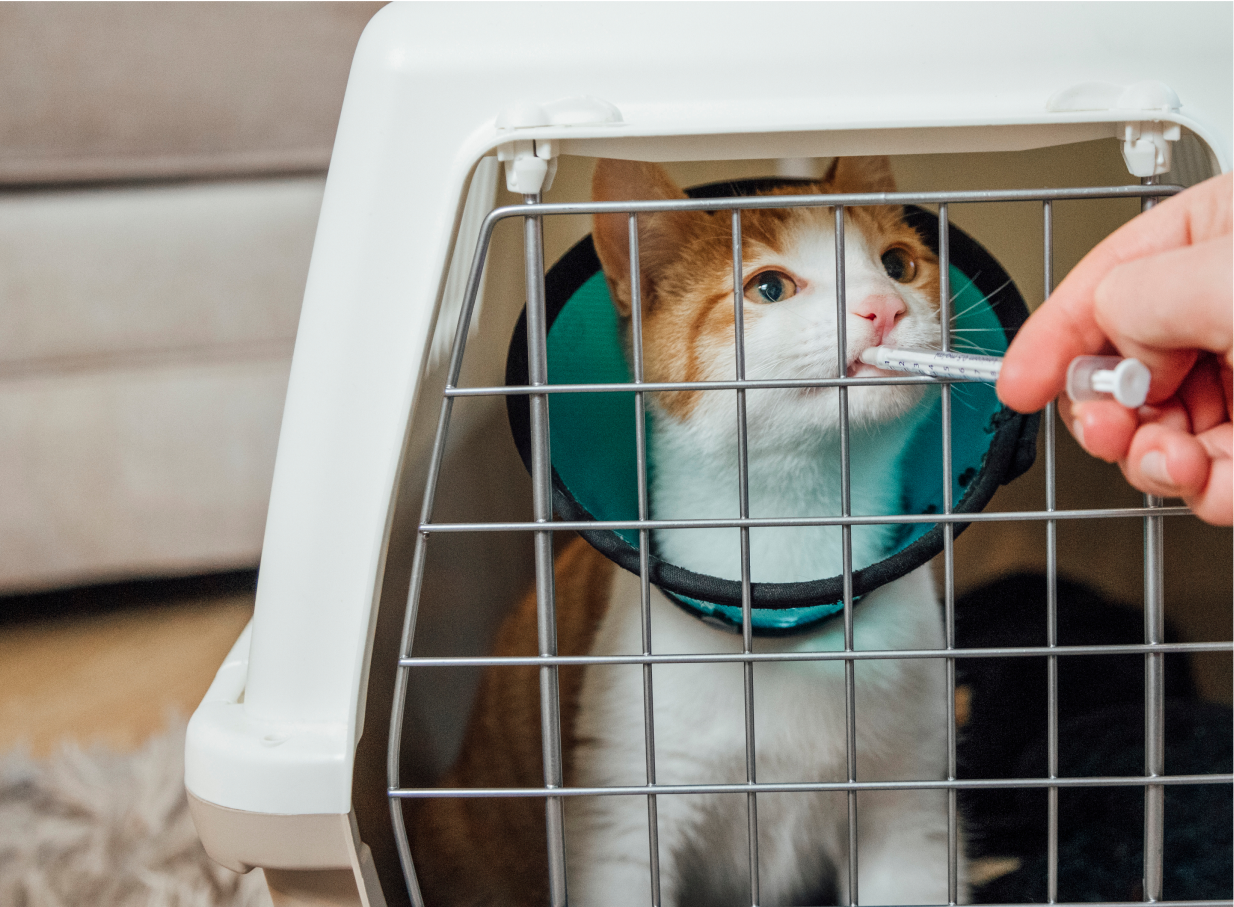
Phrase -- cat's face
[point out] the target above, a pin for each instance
(788, 297)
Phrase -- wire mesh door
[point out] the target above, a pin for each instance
(1153, 780)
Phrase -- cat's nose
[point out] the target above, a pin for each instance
(882, 311)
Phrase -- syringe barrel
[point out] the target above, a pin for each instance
(1080, 376)
(956, 366)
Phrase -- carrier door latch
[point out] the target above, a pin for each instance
(532, 163)
(1146, 146)
(1146, 140)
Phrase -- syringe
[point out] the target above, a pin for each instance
(960, 366)
(1088, 377)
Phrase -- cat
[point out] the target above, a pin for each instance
(492, 851)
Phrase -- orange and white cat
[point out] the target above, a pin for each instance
(492, 851)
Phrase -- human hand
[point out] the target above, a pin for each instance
(1160, 289)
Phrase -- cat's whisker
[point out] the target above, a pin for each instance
(960, 292)
(973, 345)
(973, 278)
(985, 299)
(989, 297)
(964, 343)
(962, 313)
(958, 396)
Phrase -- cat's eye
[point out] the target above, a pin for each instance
(770, 286)
(899, 265)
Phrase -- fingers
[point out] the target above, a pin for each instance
(1158, 289)
(1164, 309)
(1103, 428)
(1206, 394)
(1176, 464)
(1160, 455)
(1035, 364)
(1067, 325)
(1213, 503)
(1166, 462)
(1180, 448)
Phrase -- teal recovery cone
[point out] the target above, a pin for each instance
(593, 437)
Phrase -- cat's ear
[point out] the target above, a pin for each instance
(660, 235)
(859, 174)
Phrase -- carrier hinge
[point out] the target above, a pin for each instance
(532, 163)
(1146, 139)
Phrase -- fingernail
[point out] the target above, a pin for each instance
(1152, 466)
(1077, 429)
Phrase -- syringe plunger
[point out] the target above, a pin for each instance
(1097, 377)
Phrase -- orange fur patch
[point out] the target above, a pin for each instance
(487, 851)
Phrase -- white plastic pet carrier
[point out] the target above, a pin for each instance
(457, 117)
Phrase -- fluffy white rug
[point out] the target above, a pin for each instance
(105, 829)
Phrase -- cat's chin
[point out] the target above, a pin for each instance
(873, 405)
(861, 369)
(805, 415)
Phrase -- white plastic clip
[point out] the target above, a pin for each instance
(1147, 143)
(1146, 147)
(529, 169)
(531, 164)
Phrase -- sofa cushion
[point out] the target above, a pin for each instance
(112, 91)
(95, 275)
(142, 471)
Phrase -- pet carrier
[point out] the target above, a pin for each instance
(397, 491)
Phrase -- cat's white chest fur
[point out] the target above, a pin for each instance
(699, 733)
(696, 478)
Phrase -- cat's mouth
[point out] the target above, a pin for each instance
(859, 369)
(856, 369)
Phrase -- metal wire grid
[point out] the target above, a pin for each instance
(542, 527)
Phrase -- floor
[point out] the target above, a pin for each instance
(111, 665)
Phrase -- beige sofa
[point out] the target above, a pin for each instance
(161, 170)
